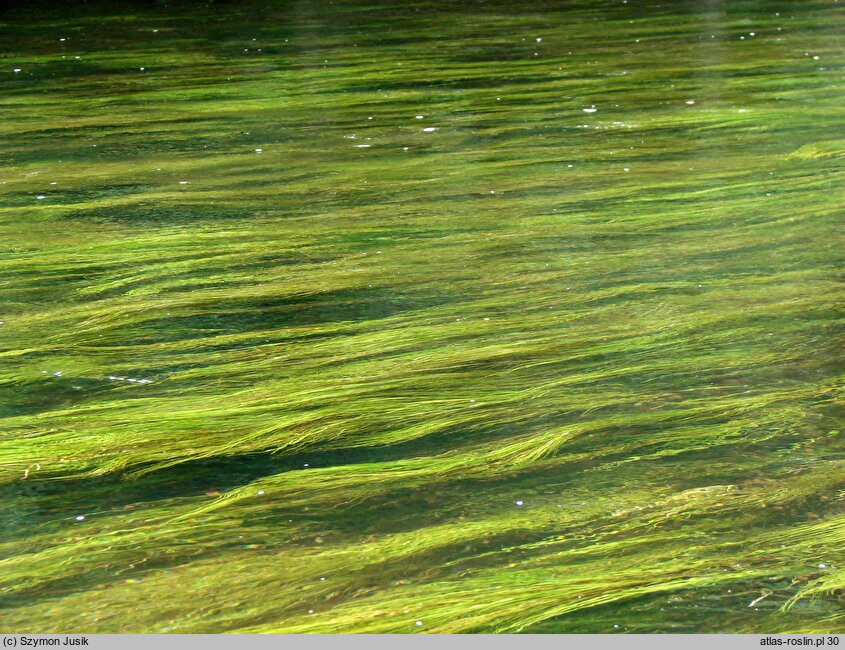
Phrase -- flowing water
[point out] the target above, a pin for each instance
(408, 316)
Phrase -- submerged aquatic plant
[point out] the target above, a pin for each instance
(332, 318)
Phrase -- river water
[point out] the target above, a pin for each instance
(422, 316)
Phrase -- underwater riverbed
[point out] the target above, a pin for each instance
(404, 316)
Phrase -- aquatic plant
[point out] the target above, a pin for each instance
(342, 318)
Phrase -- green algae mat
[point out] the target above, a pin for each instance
(403, 316)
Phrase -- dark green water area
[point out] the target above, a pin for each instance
(422, 316)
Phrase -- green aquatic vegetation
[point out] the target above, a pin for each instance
(492, 318)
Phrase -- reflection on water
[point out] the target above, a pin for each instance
(379, 317)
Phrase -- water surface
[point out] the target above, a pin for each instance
(422, 317)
